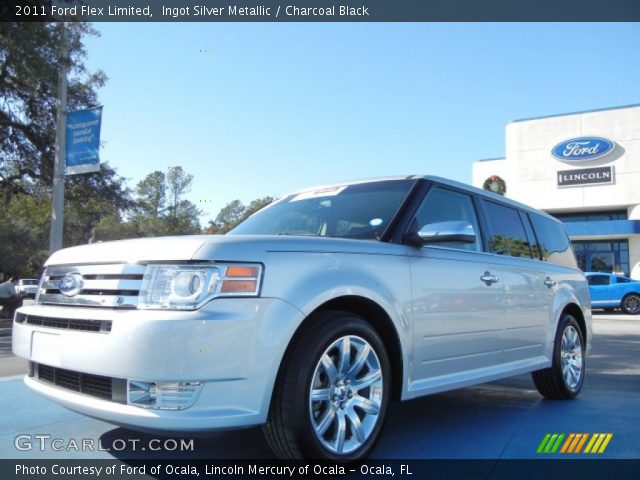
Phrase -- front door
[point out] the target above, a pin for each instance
(458, 299)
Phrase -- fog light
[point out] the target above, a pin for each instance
(163, 395)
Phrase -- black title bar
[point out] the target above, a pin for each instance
(321, 11)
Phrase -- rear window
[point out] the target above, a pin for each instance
(553, 243)
(596, 280)
(507, 233)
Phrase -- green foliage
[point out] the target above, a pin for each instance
(30, 55)
(152, 194)
(235, 212)
(150, 215)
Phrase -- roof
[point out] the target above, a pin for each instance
(577, 113)
(444, 181)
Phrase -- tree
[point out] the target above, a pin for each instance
(152, 193)
(151, 217)
(30, 55)
(228, 217)
(178, 183)
(235, 212)
(256, 205)
(30, 58)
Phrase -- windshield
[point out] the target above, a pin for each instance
(361, 211)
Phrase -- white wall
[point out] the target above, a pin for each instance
(530, 170)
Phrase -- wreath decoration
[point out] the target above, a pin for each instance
(495, 184)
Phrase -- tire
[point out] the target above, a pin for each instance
(564, 379)
(631, 304)
(343, 419)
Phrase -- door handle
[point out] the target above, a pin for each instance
(550, 283)
(488, 278)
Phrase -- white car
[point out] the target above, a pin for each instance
(28, 286)
(311, 315)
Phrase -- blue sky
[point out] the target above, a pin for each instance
(263, 109)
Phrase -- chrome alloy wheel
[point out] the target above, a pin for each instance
(346, 395)
(632, 304)
(571, 357)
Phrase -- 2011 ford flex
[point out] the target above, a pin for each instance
(312, 315)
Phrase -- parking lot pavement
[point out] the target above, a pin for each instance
(502, 420)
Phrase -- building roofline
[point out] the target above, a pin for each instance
(576, 113)
(489, 159)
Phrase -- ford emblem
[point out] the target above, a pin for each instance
(70, 284)
(583, 148)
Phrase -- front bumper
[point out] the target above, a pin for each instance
(233, 346)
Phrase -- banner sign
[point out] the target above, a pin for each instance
(83, 141)
(585, 176)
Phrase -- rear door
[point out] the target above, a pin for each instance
(527, 282)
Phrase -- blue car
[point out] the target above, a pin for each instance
(611, 291)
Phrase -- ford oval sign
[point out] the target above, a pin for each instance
(583, 148)
(70, 284)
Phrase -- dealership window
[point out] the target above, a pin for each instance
(592, 216)
(603, 255)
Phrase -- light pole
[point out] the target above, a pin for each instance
(57, 206)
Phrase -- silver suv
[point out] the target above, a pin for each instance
(312, 315)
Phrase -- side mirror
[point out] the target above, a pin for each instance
(444, 232)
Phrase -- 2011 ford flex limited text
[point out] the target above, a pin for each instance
(310, 316)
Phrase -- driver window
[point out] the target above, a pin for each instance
(443, 205)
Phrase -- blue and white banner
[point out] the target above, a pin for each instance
(83, 141)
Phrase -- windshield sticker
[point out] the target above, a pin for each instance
(376, 222)
(323, 192)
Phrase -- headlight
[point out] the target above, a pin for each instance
(190, 286)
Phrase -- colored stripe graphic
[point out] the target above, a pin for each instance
(598, 443)
(543, 443)
(574, 443)
(550, 443)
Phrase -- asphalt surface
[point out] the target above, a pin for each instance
(502, 420)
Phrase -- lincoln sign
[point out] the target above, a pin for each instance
(585, 176)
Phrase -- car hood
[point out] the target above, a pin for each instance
(211, 247)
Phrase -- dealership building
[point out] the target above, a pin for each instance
(583, 168)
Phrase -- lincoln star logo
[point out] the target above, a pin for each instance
(583, 148)
(70, 284)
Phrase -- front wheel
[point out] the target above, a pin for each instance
(564, 379)
(331, 397)
(631, 304)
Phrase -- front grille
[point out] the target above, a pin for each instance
(99, 326)
(98, 386)
(103, 285)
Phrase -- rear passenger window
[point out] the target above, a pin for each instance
(553, 242)
(506, 231)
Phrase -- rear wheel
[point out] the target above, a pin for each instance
(564, 379)
(631, 304)
(331, 398)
